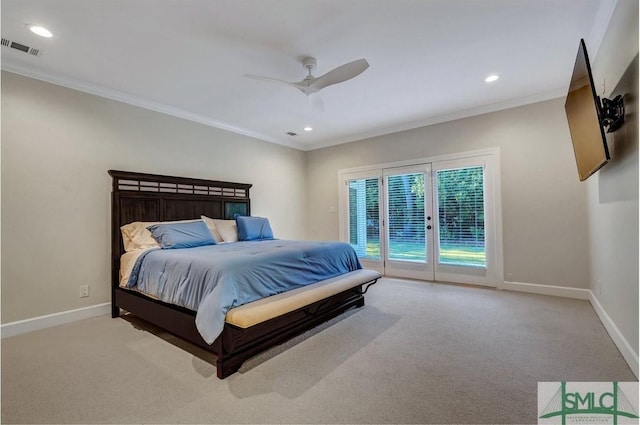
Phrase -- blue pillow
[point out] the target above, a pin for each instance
(182, 235)
(253, 228)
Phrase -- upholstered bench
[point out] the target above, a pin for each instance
(259, 311)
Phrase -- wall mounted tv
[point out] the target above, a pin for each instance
(588, 117)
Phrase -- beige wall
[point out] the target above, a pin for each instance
(57, 145)
(613, 191)
(544, 205)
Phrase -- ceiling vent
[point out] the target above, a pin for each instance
(21, 47)
(291, 133)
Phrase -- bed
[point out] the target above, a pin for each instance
(247, 329)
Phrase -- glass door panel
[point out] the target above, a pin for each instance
(364, 218)
(407, 216)
(464, 249)
(461, 234)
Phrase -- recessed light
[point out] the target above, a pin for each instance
(491, 78)
(307, 128)
(41, 31)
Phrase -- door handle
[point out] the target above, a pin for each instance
(429, 227)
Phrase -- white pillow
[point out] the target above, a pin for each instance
(135, 235)
(212, 228)
(222, 230)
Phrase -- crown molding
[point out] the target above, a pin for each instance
(101, 91)
(600, 25)
(467, 113)
(140, 102)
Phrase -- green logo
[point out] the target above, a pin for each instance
(586, 402)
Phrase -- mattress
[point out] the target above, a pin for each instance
(212, 280)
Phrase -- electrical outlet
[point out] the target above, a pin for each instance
(84, 291)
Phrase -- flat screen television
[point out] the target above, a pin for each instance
(584, 111)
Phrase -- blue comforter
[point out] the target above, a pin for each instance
(213, 279)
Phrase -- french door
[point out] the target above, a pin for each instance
(466, 233)
(431, 221)
(408, 222)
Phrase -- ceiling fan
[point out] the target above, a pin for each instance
(310, 84)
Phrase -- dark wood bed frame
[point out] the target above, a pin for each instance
(151, 197)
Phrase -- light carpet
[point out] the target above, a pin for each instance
(416, 353)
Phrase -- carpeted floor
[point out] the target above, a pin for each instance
(416, 353)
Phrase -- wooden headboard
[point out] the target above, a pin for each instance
(153, 197)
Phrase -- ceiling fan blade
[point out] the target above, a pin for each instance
(273, 80)
(303, 86)
(310, 85)
(342, 73)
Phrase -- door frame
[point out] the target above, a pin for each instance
(343, 216)
(493, 154)
(423, 270)
(485, 276)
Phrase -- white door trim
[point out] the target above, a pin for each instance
(493, 156)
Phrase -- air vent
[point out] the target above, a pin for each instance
(291, 133)
(21, 47)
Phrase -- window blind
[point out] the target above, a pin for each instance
(406, 217)
(461, 224)
(364, 217)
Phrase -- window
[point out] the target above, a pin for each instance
(461, 229)
(406, 215)
(434, 219)
(364, 217)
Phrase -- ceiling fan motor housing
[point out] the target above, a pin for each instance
(309, 63)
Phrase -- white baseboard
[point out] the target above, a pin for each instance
(556, 291)
(627, 351)
(623, 345)
(43, 322)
